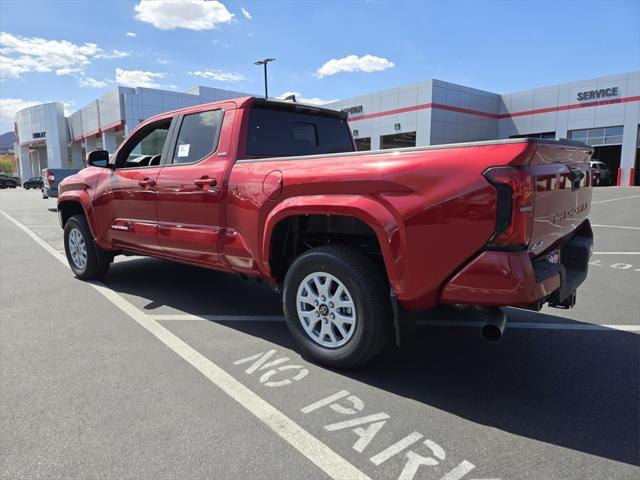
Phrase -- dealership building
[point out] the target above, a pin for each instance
(602, 112)
(45, 138)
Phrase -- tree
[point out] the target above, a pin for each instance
(7, 164)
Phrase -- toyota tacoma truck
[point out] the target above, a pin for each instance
(356, 242)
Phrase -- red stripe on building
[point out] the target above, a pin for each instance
(115, 126)
(573, 106)
(496, 116)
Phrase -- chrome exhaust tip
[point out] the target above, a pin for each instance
(496, 322)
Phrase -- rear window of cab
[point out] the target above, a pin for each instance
(283, 133)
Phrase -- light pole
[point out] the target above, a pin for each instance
(264, 62)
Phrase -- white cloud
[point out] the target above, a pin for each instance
(67, 71)
(189, 14)
(20, 55)
(353, 63)
(114, 54)
(138, 78)
(218, 75)
(10, 106)
(67, 107)
(130, 34)
(8, 109)
(301, 99)
(246, 13)
(94, 83)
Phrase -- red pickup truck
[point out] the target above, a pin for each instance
(355, 241)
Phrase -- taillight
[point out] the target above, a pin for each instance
(51, 178)
(514, 215)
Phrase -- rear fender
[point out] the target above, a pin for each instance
(373, 213)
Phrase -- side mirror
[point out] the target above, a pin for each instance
(98, 158)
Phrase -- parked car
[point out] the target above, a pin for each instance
(7, 181)
(601, 173)
(33, 182)
(54, 176)
(356, 242)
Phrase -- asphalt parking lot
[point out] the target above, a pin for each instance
(170, 371)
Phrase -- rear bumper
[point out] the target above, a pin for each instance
(515, 279)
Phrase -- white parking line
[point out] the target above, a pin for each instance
(532, 325)
(422, 323)
(616, 253)
(616, 226)
(614, 199)
(313, 449)
(219, 318)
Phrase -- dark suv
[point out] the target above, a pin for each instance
(34, 182)
(7, 181)
(601, 173)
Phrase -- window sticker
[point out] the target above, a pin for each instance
(183, 150)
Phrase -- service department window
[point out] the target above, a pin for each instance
(398, 140)
(198, 137)
(363, 144)
(549, 135)
(598, 136)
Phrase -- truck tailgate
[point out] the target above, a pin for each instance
(561, 182)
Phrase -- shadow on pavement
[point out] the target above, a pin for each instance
(193, 290)
(575, 389)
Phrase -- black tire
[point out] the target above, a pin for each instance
(97, 261)
(369, 289)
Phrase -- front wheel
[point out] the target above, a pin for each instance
(337, 306)
(86, 259)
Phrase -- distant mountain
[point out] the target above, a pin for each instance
(6, 141)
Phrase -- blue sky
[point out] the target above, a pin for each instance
(74, 52)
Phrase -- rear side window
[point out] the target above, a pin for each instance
(281, 133)
(198, 137)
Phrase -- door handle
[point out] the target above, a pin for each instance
(205, 182)
(147, 182)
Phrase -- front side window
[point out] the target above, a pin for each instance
(198, 137)
(145, 149)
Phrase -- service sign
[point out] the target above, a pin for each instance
(597, 94)
(353, 110)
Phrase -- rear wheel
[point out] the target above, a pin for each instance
(337, 307)
(86, 259)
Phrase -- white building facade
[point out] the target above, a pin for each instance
(45, 138)
(603, 112)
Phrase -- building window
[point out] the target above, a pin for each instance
(598, 136)
(363, 144)
(398, 140)
(550, 135)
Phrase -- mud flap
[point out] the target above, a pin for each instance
(404, 322)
